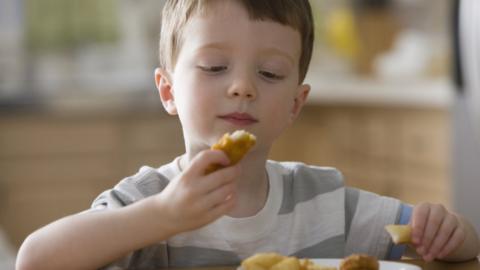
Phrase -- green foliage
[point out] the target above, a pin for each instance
(68, 24)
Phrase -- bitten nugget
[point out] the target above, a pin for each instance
(401, 234)
(359, 262)
(235, 146)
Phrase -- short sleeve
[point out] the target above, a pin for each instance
(147, 182)
(370, 214)
(397, 251)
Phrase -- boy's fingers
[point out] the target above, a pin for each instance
(435, 219)
(219, 195)
(205, 158)
(222, 208)
(443, 235)
(219, 178)
(419, 219)
(455, 240)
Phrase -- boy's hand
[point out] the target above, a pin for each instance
(436, 232)
(194, 199)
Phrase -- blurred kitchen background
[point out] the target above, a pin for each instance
(79, 109)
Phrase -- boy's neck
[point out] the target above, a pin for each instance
(252, 188)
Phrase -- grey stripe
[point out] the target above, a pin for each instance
(120, 197)
(330, 248)
(152, 184)
(198, 257)
(351, 202)
(131, 189)
(311, 182)
(111, 199)
(153, 257)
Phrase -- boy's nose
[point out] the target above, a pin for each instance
(243, 89)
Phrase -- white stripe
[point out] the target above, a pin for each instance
(313, 230)
(288, 235)
(201, 238)
(367, 232)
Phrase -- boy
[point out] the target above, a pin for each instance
(228, 65)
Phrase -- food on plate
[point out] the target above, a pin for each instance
(306, 264)
(261, 261)
(401, 234)
(235, 146)
(359, 262)
(275, 261)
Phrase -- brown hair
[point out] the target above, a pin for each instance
(294, 13)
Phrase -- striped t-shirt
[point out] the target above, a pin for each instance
(308, 213)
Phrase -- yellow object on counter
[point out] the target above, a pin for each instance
(341, 32)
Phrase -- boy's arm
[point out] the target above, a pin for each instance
(92, 240)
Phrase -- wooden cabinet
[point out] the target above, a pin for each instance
(399, 152)
(55, 164)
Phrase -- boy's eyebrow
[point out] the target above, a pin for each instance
(215, 45)
(272, 50)
(279, 52)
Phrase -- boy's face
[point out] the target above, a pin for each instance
(234, 73)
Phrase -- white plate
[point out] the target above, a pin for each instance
(384, 265)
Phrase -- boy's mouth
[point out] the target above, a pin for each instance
(239, 119)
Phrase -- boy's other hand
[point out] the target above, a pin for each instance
(194, 199)
(436, 232)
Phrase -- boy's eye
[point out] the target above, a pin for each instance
(270, 75)
(213, 69)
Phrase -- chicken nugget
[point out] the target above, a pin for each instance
(359, 262)
(261, 261)
(235, 146)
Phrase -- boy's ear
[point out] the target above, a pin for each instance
(165, 90)
(300, 98)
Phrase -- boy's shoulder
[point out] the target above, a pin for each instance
(299, 173)
(146, 182)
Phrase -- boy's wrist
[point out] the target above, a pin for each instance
(156, 215)
(150, 221)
